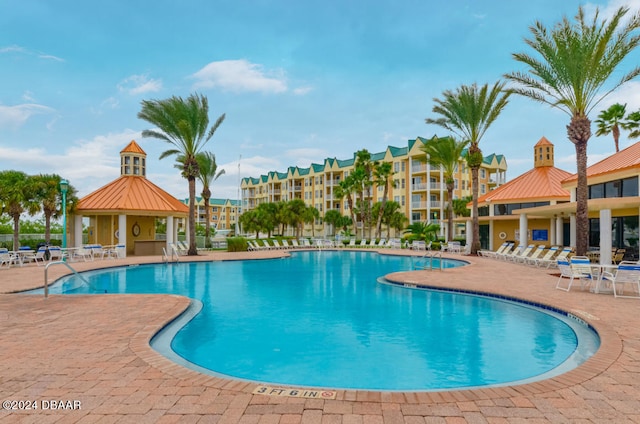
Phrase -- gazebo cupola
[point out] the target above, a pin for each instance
(133, 160)
(543, 153)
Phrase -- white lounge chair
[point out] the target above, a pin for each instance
(531, 259)
(7, 258)
(627, 275)
(509, 251)
(55, 253)
(37, 257)
(494, 253)
(522, 254)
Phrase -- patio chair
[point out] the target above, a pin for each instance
(617, 255)
(363, 243)
(352, 243)
(7, 258)
(382, 243)
(55, 253)
(37, 257)
(83, 253)
(580, 268)
(627, 274)
(395, 243)
(294, 244)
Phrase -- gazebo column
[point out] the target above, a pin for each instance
(170, 239)
(559, 235)
(77, 230)
(122, 232)
(469, 233)
(523, 230)
(605, 236)
(552, 232)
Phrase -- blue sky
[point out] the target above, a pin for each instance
(299, 81)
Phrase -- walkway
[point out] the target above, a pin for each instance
(93, 350)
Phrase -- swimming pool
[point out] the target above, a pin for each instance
(320, 319)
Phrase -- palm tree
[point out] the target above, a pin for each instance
(468, 112)
(333, 217)
(382, 173)
(346, 188)
(576, 60)
(208, 174)
(446, 152)
(609, 122)
(309, 215)
(17, 193)
(424, 231)
(49, 197)
(460, 206)
(182, 123)
(632, 124)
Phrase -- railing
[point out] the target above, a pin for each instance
(46, 275)
(426, 262)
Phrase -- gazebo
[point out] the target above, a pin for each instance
(124, 212)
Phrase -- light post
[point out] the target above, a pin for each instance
(64, 187)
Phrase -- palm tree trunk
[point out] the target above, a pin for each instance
(450, 212)
(47, 226)
(381, 211)
(192, 217)
(475, 231)
(579, 132)
(207, 224)
(16, 231)
(616, 137)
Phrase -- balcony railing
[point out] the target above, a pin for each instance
(433, 204)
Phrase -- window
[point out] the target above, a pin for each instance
(396, 166)
(402, 166)
(483, 173)
(403, 201)
(483, 188)
(455, 184)
(396, 199)
(617, 188)
(403, 186)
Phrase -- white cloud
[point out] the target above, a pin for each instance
(18, 49)
(16, 116)
(139, 84)
(608, 10)
(239, 75)
(628, 94)
(301, 91)
(303, 157)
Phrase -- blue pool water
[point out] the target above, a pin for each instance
(321, 319)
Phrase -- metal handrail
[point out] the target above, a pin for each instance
(431, 254)
(46, 275)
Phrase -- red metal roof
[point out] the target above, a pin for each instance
(133, 147)
(132, 193)
(543, 142)
(625, 159)
(538, 183)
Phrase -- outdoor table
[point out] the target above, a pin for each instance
(20, 254)
(601, 268)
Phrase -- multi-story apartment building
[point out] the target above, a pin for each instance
(224, 212)
(417, 185)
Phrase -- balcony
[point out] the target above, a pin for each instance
(331, 183)
(433, 204)
(420, 167)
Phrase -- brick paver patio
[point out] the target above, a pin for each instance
(94, 350)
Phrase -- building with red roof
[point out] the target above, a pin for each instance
(124, 212)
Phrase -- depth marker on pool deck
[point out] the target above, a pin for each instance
(287, 392)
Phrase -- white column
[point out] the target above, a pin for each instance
(410, 204)
(559, 232)
(175, 230)
(469, 235)
(552, 232)
(572, 230)
(491, 235)
(122, 232)
(77, 230)
(523, 230)
(605, 236)
(170, 231)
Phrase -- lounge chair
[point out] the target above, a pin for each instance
(533, 256)
(395, 243)
(175, 247)
(294, 244)
(617, 255)
(492, 253)
(521, 254)
(7, 258)
(382, 243)
(509, 251)
(546, 258)
(55, 253)
(83, 253)
(363, 243)
(580, 268)
(352, 243)
(627, 274)
(276, 245)
(565, 253)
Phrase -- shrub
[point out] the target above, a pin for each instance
(237, 244)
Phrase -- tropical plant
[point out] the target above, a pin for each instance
(382, 173)
(632, 124)
(446, 153)
(460, 206)
(333, 217)
(208, 173)
(346, 189)
(424, 231)
(250, 222)
(296, 212)
(362, 173)
(468, 112)
(610, 121)
(17, 194)
(184, 124)
(309, 215)
(576, 59)
(268, 218)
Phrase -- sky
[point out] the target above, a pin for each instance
(299, 81)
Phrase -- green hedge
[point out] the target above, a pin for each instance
(237, 244)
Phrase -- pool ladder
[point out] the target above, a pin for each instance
(429, 256)
(46, 275)
(166, 257)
